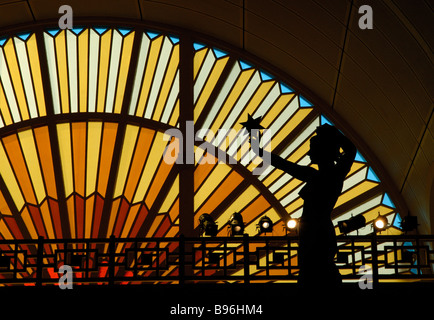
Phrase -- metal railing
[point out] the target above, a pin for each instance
(212, 259)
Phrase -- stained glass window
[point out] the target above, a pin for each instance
(87, 161)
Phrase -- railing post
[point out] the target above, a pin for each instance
(246, 258)
(374, 257)
(181, 259)
(39, 261)
(111, 266)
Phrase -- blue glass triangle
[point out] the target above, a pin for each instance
(265, 76)
(359, 157)
(2, 41)
(387, 202)
(100, 30)
(77, 31)
(408, 244)
(372, 176)
(397, 221)
(24, 36)
(124, 31)
(245, 65)
(198, 46)
(303, 102)
(285, 89)
(324, 120)
(174, 40)
(218, 53)
(152, 35)
(53, 32)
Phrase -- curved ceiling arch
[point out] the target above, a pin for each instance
(113, 72)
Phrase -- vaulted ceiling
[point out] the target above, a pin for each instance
(375, 84)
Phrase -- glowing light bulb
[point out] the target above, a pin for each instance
(292, 223)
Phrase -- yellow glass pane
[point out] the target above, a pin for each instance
(126, 157)
(83, 57)
(289, 187)
(29, 223)
(290, 125)
(79, 155)
(208, 187)
(277, 108)
(238, 205)
(93, 148)
(139, 158)
(4, 109)
(209, 86)
(167, 84)
(63, 132)
(36, 74)
(132, 214)
(32, 161)
(297, 204)
(218, 196)
(62, 69)
(152, 162)
(113, 215)
(149, 74)
(356, 191)
(123, 70)
(199, 57)
(155, 225)
(15, 75)
(237, 90)
(103, 69)
(157, 184)
(175, 115)
(171, 196)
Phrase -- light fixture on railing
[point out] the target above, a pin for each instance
(380, 223)
(409, 223)
(236, 224)
(352, 224)
(265, 224)
(291, 225)
(207, 225)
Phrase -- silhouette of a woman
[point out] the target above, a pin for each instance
(320, 193)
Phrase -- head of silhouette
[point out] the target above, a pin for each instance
(324, 146)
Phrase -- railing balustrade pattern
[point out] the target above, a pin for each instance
(213, 259)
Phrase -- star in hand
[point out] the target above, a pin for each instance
(251, 123)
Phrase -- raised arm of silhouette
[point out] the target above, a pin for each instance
(323, 186)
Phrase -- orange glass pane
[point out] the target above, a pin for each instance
(44, 151)
(255, 209)
(143, 213)
(139, 158)
(16, 157)
(221, 193)
(79, 155)
(107, 146)
(159, 178)
(12, 226)
(55, 214)
(201, 172)
(4, 208)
